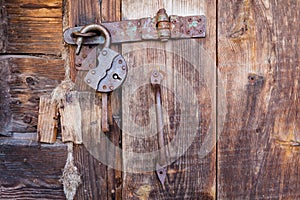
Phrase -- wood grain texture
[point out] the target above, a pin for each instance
(110, 12)
(47, 120)
(188, 100)
(30, 170)
(70, 118)
(5, 112)
(27, 79)
(258, 151)
(94, 173)
(31, 27)
(81, 13)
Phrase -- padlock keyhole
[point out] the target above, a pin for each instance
(116, 76)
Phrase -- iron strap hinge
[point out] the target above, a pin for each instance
(161, 27)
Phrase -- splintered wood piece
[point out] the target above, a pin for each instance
(70, 118)
(90, 118)
(47, 120)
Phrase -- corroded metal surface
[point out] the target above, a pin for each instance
(146, 29)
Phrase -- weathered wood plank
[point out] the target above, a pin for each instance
(70, 118)
(94, 173)
(188, 98)
(47, 120)
(31, 27)
(30, 170)
(5, 113)
(258, 152)
(110, 12)
(27, 79)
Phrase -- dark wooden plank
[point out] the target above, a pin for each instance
(93, 172)
(5, 112)
(188, 99)
(26, 79)
(81, 13)
(30, 170)
(258, 152)
(93, 175)
(31, 27)
(110, 12)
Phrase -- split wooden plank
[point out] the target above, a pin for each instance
(70, 118)
(259, 71)
(189, 103)
(31, 27)
(30, 170)
(47, 120)
(27, 78)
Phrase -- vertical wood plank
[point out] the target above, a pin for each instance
(111, 11)
(188, 98)
(258, 152)
(70, 118)
(5, 111)
(47, 120)
(93, 173)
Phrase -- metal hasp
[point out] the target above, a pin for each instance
(161, 27)
(156, 79)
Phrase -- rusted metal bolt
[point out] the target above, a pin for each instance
(120, 61)
(84, 55)
(104, 87)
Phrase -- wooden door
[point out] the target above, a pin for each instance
(230, 100)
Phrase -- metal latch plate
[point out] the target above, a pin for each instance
(145, 29)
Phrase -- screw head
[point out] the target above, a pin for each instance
(104, 87)
(120, 61)
(104, 52)
(155, 74)
(88, 81)
(124, 67)
(111, 87)
(93, 72)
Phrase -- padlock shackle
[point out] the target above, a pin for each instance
(94, 27)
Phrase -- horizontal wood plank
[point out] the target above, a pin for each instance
(30, 170)
(31, 27)
(27, 79)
